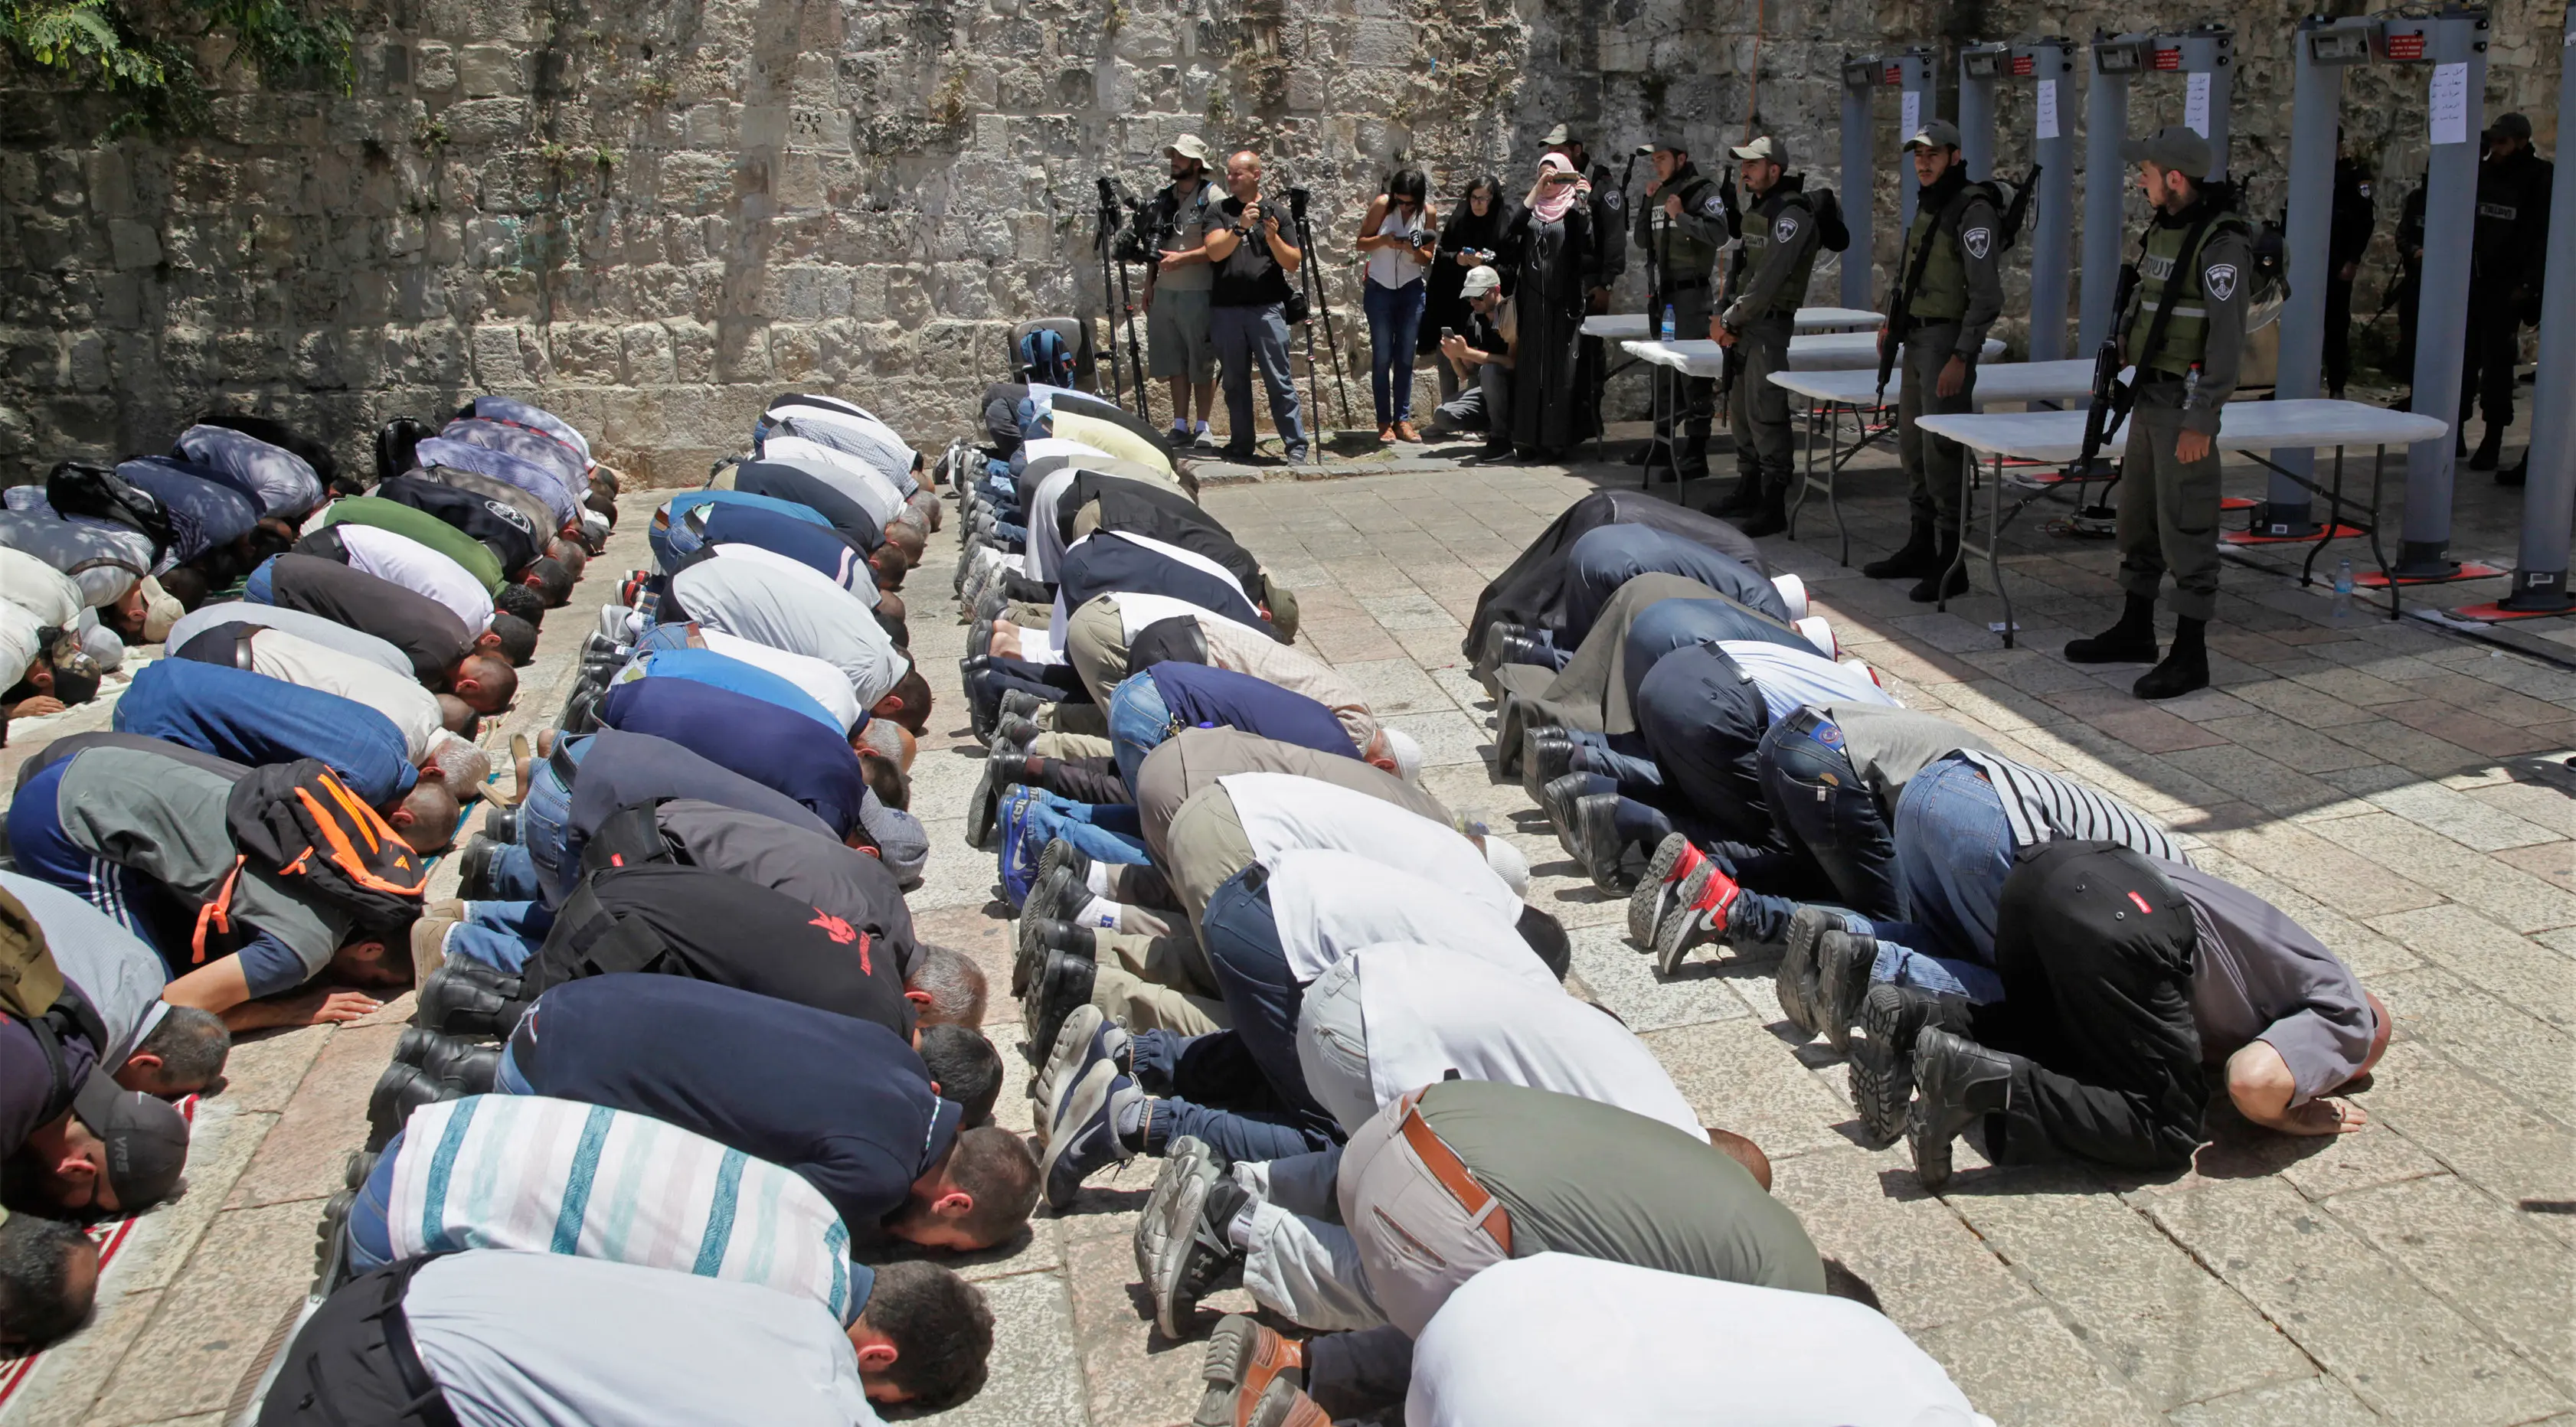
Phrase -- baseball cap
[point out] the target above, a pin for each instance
(1671, 142)
(146, 1139)
(1935, 134)
(2172, 147)
(2513, 125)
(1189, 146)
(1561, 134)
(1480, 280)
(1765, 147)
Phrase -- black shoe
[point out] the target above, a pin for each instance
(1556, 798)
(1744, 499)
(2517, 473)
(420, 1045)
(1650, 454)
(1546, 755)
(1892, 1017)
(1797, 981)
(1016, 731)
(399, 1091)
(2490, 449)
(1843, 960)
(1060, 854)
(1511, 720)
(475, 883)
(2131, 641)
(1918, 558)
(1947, 579)
(1957, 1082)
(2182, 671)
(1056, 894)
(985, 807)
(501, 824)
(1018, 703)
(1773, 517)
(465, 999)
(1061, 986)
(1038, 939)
(1489, 456)
(1596, 841)
(1694, 461)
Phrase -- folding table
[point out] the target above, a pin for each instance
(2249, 428)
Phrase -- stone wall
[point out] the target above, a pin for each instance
(652, 214)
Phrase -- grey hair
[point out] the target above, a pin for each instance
(956, 986)
(882, 736)
(462, 764)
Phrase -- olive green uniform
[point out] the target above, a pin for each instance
(1779, 253)
(1687, 263)
(2169, 507)
(1947, 308)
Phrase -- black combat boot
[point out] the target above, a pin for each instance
(1773, 517)
(1917, 558)
(2131, 641)
(2186, 665)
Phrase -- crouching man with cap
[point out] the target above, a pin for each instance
(1482, 358)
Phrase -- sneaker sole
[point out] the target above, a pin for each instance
(1072, 1043)
(1646, 904)
(1171, 1312)
(1229, 1357)
(1798, 971)
(1842, 983)
(1675, 936)
(1882, 1072)
(1179, 1161)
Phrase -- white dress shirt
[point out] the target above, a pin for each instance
(418, 568)
(1280, 811)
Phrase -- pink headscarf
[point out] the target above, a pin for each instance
(1548, 202)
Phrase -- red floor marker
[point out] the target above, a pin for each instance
(2469, 570)
(2341, 531)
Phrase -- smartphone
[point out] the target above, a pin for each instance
(1448, 332)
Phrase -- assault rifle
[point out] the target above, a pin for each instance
(1726, 282)
(2112, 397)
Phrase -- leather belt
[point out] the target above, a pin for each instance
(1484, 1210)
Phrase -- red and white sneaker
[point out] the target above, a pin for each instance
(1674, 861)
(1699, 916)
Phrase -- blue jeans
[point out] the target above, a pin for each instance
(544, 826)
(508, 1079)
(1139, 721)
(1953, 851)
(371, 1240)
(1244, 1122)
(1606, 557)
(1241, 937)
(1395, 320)
(501, 935)
(1829, 815)
(1246, 338)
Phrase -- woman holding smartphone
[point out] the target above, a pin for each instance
(1473, 237)
(1550, 242)
(1395, 238)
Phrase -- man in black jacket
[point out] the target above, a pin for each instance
(2504, 279)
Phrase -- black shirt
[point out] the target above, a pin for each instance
(1250, 276)
(427, 632)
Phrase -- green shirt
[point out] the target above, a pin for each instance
(420, 525)
(1585, 1178)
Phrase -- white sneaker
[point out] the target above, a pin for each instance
(1205, 439)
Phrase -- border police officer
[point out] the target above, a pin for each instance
(1682, 227)
(1780, 239)
(2184, 330)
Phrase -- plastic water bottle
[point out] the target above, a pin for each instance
(1668, 322)
(2343, 591)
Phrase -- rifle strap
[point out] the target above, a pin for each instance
(2165, 294)
(1912, 282)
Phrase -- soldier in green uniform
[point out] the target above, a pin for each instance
(1947, 294)
(1682, 226)
(1770, 281)
(2184, 330)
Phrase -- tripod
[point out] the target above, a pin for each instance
(1111, 255)
(1314, 287)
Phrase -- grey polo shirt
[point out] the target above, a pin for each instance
(1888, 746)
(772, 606)
(117, 974)
(2258, 975)
(330, 634)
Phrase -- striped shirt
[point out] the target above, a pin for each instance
(2040, 806)
(553, 1176)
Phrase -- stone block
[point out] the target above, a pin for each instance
(647, 353)
(480, 123)
(2026, 1367)
(498, 358)
(491, 71)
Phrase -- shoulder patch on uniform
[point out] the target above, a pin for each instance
(1785, 229)
(1978, 242)
(2364, 189)
(2220, 279)
(1612, 200)
(1712, 206)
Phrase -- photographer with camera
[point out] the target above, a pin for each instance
(1250, 245)
(1471, 239)
(1171, 240)
(1396, 238)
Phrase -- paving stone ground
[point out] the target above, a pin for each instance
(2352, 771)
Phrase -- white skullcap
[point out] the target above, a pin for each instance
(160, 611)
(1507, 862)
(1856, 662)
(1820, 634)
(1793, 592)
(1407, 753)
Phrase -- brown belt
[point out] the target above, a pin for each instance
(1485, 1211)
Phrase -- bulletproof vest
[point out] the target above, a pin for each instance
(1941, 294)
(1760, 231)
(2186, 334)
(1688, 259)
(673, 920)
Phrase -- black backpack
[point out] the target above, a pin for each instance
(1832, 234)
(397, 444)
(299, 822)
(79, 488)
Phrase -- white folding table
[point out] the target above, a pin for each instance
(1832, 395)
(1637, 326)
(2248, 428)
(1813, 352)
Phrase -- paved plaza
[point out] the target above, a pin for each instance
(2355, 772)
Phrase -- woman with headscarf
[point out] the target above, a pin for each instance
(1395, 242)
(1473, 238)
(1549, 244)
